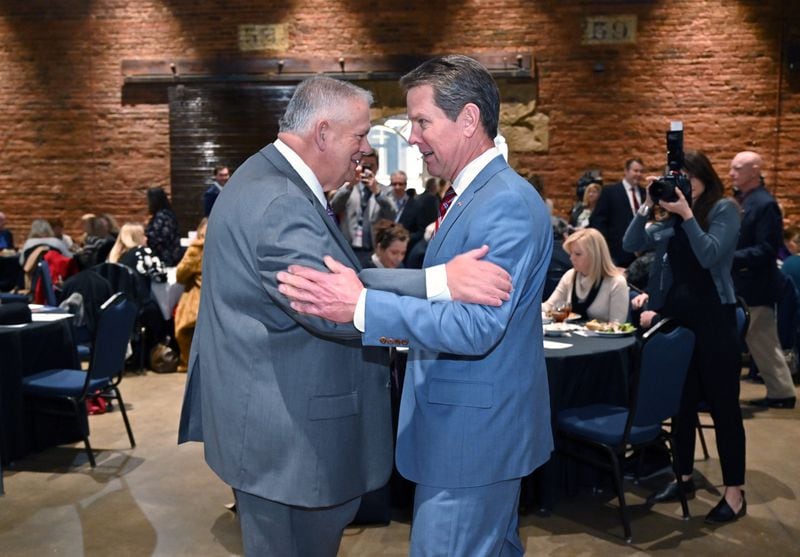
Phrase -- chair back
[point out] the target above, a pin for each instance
(664, 362)
(42, 276)
(122, 279)
(114, 327)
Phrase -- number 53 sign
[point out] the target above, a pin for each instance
(609, 29)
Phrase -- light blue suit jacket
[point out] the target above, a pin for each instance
(476, 406)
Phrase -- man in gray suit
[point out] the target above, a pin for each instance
(293, 411)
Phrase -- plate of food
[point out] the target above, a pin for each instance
(610, 328)
(560, 329)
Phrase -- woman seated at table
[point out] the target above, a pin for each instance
(391, 242)
(699, 243)
(41, 234)
(130, 249)
(594, 287)
(189, 274)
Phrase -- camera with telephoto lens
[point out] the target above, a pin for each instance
(665, 187)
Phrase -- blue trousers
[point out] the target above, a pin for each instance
(270, 528)
(473, 521)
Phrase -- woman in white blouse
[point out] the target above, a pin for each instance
(594, 287)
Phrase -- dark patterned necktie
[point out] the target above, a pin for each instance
(331, 214)
(444, 204)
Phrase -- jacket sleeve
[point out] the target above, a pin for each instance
(303, 239)
(520, 241)
(723, 233)
(767, 239)
(637, 237)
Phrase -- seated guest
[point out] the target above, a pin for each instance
(594, 287)
(97, 242)
(6, 237)
(58, 231)
(583, 210)
(162, 228)
(131, 250)
(189, 274)
(41, 234)
(391, 242)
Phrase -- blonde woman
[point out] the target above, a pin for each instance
(594, 287)
(131, 250)
(580, 217)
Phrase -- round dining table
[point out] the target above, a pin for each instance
(582, 369)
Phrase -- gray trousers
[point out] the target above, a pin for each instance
(765, 348)
(272, 529)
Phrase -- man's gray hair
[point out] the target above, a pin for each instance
(319, 96)
(457, 80)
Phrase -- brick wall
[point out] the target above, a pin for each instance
(69, 145)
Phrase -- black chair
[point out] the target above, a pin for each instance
(137, 289)
(611, 431)
(105, 369)
(742, 324)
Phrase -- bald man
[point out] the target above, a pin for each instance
(757, 278)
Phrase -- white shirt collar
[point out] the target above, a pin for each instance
(303, 170)
(628, 186)
(469, 172)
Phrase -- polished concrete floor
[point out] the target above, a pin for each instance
(161, 499)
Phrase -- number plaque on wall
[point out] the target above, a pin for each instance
(263, 37)
(609, 29)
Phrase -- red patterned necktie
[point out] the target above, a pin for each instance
(444, 204)
(635, 196)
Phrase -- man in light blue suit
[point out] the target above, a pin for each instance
(475, 412)
(293, 410)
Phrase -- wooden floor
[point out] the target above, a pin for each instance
(161, 499)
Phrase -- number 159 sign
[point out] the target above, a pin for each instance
(609, 29)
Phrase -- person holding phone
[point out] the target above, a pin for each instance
(360, 204)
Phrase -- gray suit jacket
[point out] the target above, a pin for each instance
(291, 408)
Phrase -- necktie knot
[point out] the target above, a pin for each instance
(444, 204)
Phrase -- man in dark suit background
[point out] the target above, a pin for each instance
(757, 279)
(616, 207)
(293, 411)
(221, 175)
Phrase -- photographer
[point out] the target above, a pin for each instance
(361, 204)
(696, 246)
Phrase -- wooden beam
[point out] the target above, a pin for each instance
(514, 65)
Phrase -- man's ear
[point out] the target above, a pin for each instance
(470, 117)
(321, 133)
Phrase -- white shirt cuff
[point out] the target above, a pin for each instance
(360, 315)
(436, 284)
(435, 288)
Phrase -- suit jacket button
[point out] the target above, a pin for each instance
(383, 340)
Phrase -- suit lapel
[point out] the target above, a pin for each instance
(461, 203)
(274, 156)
